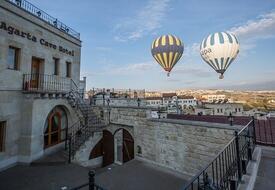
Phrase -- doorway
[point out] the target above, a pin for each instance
(108, 148)
(124, 146)
(35, 72)
(55, 127)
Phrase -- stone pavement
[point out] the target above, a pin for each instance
(137, 175)
(266, 174)
(43, 177)
(134, 175)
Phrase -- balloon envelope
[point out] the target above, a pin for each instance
(167, 50)
(219, 50)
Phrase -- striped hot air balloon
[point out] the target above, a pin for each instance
(167, 50)
(219, 50)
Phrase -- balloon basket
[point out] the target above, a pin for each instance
(221, 76)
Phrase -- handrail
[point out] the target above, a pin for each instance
(35, 11)
(232, 142)
(45, 83)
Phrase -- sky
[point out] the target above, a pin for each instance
(117, 35)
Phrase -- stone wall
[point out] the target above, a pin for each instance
(26, 114)
(180, 145)
(22, 21)
(82, 155)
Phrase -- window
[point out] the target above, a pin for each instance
(68, 69)
(2, 135)
(13, 58)
(56, 66)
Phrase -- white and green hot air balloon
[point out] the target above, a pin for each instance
(219, 50)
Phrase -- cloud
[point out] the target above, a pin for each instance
(192, 50)
(263, 27)
(260, 28)
(248, 33)
(145, 21)
(197, 72)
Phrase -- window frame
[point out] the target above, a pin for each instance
(3, 125)
(56, 62)
(68, 69)
(16, 64)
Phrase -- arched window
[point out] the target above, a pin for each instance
(55, 127)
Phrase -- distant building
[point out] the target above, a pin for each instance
(154, 101)
(173, 103)
(214, 97)
(225, 108)
(187, 101)
(204, 111)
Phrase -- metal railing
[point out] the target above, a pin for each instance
(228, 167)
(91, 184)
(46, 83)
(30, 8)
(84, 128)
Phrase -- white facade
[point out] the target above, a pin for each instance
(225, 108)
(172, 102)
(214, 97)
(38, 62)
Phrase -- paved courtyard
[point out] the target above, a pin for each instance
(134, 175)
(266, 173)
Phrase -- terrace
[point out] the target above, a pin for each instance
(33, 10)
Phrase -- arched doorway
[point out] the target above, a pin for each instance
(118, 148)
(55, 127)
(128, 146)
(124, 146)
(107, 148)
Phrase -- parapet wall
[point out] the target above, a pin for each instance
(180, 145)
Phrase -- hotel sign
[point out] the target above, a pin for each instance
(14, 31)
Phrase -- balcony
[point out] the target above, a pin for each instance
(41, 83)
(33, 10)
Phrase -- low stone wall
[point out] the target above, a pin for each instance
(181, 145)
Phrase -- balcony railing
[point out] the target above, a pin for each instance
(228, 167)
(30, 8)
(46, 83)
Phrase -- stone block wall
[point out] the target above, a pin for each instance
(180, 145)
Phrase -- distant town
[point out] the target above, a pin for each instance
(193, 102)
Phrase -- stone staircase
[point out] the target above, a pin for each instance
(85, 127)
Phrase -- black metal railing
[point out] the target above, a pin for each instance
(30, 8)
(91, 184)
(46, 83)
(84, 128)
(228, 167)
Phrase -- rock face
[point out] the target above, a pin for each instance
(180, 145)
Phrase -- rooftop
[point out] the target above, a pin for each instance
(33, 10)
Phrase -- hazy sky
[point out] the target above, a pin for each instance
(117, 36)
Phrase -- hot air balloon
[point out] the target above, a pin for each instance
(219, 50)
(167, 50)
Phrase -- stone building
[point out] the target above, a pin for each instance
(39, 65)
